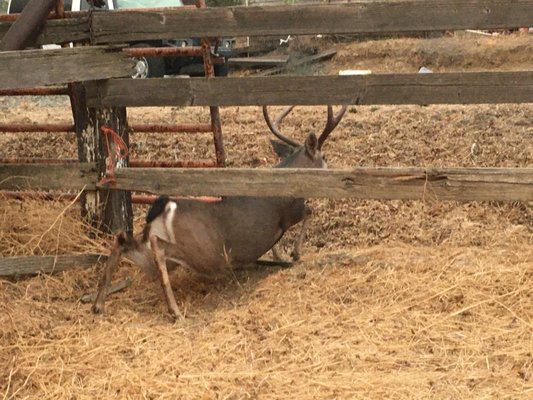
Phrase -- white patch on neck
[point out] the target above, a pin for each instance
(162, 225)
(170, 211)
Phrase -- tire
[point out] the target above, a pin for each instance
(222, 69)
(148, 67)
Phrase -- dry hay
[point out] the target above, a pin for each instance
(27, 228)
(393, 321)
(386, 322)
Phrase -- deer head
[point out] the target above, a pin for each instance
(309, 154)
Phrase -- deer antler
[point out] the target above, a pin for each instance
(333, 121)
(274, 125)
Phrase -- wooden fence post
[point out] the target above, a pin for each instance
(116, 208)
(107, 210)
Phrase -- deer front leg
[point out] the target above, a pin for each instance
(165, 281)
(109, 269)
(275, 253)
(305, 222)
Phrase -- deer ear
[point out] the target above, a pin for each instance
(283, 150)
(311, 145)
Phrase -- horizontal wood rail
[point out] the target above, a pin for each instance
(381, 16)
(30, 68)
(455, 184)
(32, 265)
(458, 184)
(48, 177)
(59, 31)
(441, 88)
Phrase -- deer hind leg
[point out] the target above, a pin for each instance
(109, 269)
(165, 281)
(295, 254)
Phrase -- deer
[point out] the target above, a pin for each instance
(211, 238)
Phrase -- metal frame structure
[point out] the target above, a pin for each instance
(215, 126)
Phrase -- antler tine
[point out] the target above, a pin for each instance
(333, 121)
(273, 126)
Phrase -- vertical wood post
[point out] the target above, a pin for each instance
(87, 149)
(116, 209)
(107, 210)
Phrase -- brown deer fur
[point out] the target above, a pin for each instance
(210, 238)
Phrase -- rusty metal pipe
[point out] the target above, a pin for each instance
(172, 164)
(29, 23)
(36, 91)
(155, 9)
(132, 164)
(216, 125)
(61, 128)
(163, 51)
(156, 128)
(60, 9)
(167, 128)
(135, 198)
(191, 51)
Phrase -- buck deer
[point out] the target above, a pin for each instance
(209, 238)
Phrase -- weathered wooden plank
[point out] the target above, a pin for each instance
(442, 88)
(58, 31)
(32, 265)
(380, 16)
(48, 177)
(457, 184)
(29, 68)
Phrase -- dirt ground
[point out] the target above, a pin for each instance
(392, 299)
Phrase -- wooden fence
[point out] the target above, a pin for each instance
(103, 68)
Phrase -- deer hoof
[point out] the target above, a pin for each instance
(97, 308)
(295, 256)
(176, 315)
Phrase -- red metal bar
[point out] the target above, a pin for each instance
(165, 128)
(133, 163)
(146, 199)
(156, 128)
(37, 128)
(150, 199)
(172, 164)
(163, 51)
(37, 91)
(155, 9)
(191, 51)
(216, 125)
(60, 9)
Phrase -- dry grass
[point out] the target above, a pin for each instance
(384, 322)
(393, 321)
(38, 227)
